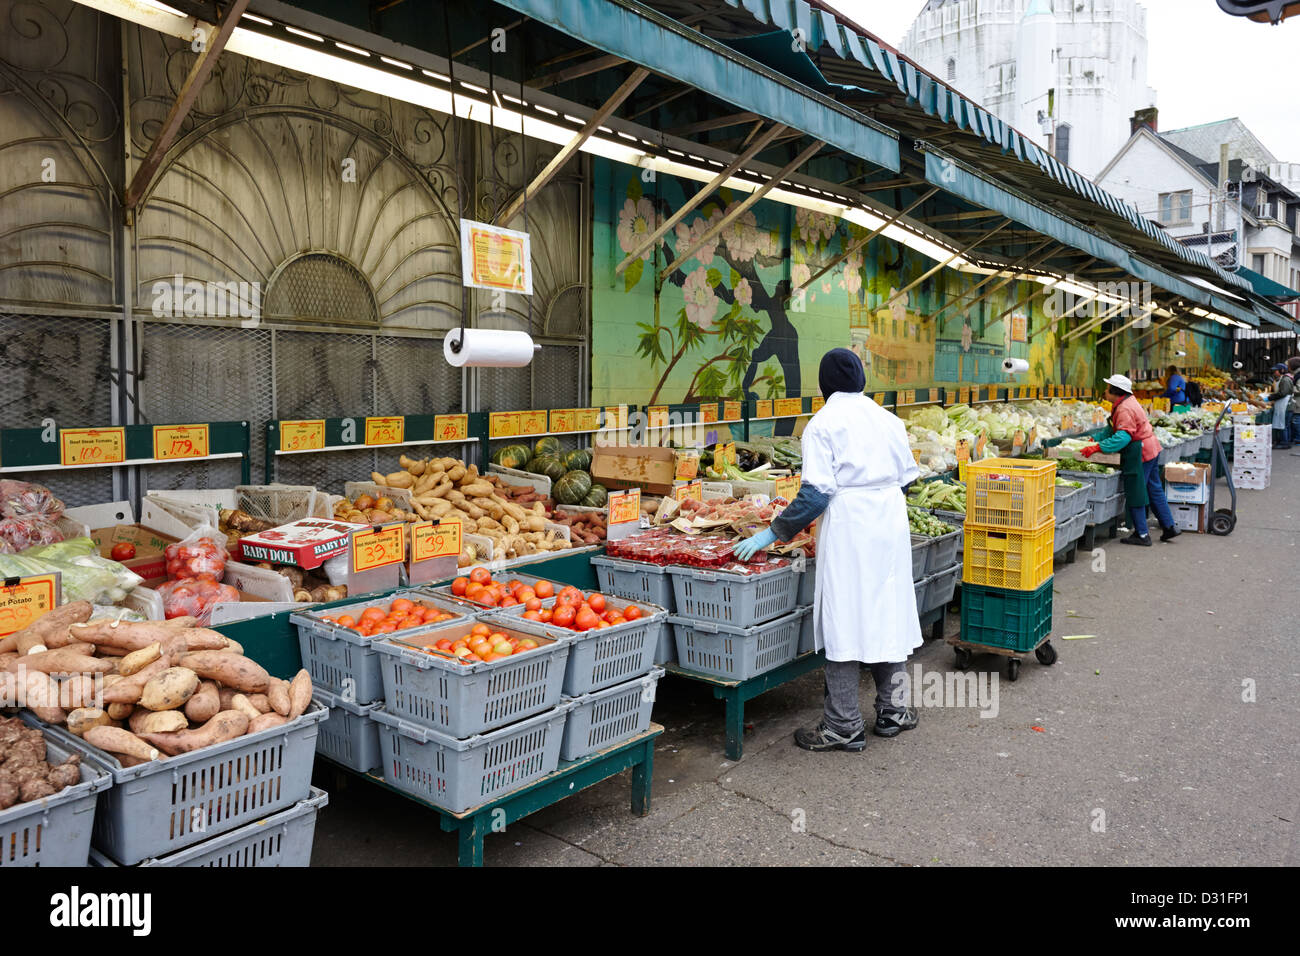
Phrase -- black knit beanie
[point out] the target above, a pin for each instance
(841, 371)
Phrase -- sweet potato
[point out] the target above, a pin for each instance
(226, 725)
(262, 721)
(127, 690)
(83, 718)
(125, 634)
(234, 647)
(139, 659)
(261, 702)
(299, 694)
(277, 694)
(120, 711)
(204, 639)
(61, 661)
(240, 703)
(118, 741)
(229, 670)
(170, 689)
(157, 722)
(79, 691)
(475, 489)
(8, 645)
(6, 657)
(205, 704)
(42, 696)
(50, 630)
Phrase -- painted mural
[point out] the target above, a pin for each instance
(753, 307)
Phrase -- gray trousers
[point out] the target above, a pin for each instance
(842, 712)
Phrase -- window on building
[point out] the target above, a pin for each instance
(1257, 263)
(1063, 143)
(1176, 208)
(952, 69)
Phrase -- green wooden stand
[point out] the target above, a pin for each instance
(736, 692)
(571, 777)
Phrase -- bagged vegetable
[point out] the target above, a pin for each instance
(87, 575)
(20, 499)
(195, 597)
(25, 531)
(203, 553)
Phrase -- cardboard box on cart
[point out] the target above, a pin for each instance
(1187, 482)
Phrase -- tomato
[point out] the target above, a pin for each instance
(401, 606)
(544, 589)
(459, 585)
(563, 615)
(123, 551)
(532, 615)
(475, 591)
(372, 614)
(527, 644)
(480, 576)
(525, 594)
(546, 615)
(508, 602)
(615, 620)
(347, 620)
(567, 600)
(601, 624)
(514, 585)
(574, 594)
(596, 601)
(480, 628)
(586, 619)
(385, 628)
(632, 612)
(533, 604)
(502, 650)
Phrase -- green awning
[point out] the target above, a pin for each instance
(642, 35)
(960, 180)
(1266, 288)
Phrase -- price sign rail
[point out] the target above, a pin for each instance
(59, 448)
(349, 434)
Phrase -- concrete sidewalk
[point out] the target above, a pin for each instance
(1143, 730)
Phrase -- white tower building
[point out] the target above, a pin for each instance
(1007, 55)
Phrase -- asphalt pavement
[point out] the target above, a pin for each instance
(1165, 734)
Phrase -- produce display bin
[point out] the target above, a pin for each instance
(349, 735)
(1015, 620)
(1010, 494)
(606, 717)
(461, 700)
(1019, 560)
(1166, 455)
(807, 634)
(737, 653)
(736, 600)
(943, 552)
(939, 589)
(1070, 502)
(1102, 511)
(282, 839)
(459, 774)
(920, 555)
(1102, 486)
(808, 582)
(166, 805)
(1071, 530)
(957, 518)
(55, 830)
(342, 661)
(600, 658)
(635, 580)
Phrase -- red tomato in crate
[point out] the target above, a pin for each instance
(123, 551)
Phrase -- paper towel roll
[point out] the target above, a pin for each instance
(499, 348)
(1013, 366)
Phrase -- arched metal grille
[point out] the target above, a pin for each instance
(320, 288)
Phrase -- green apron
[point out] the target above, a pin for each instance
(1135, 479)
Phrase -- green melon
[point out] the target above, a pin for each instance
(571, 488)
(511, 456)
(578, 460)
(548, 465)
(547, 446)
(597, 497)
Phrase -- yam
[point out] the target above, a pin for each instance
(138, 659)
(205, 703)
(399, 479)
(83, 718)
(240, 703)
(263, 721)
(229, 670)
(157, 722)
(226, 725)
(457, 473)
(127, 690)
(170, 689)
(414, 466)
(120, 711)
(186, 621)
(61, 661)
(6, 657)
(299, 694)
(82, 690)
(277, 694)
(378, 479)
(42, 696)
(476, 489)
(132, 636)
(440, 489)
(118, 741)
(261, 701)
(50, 630)
(8, 645)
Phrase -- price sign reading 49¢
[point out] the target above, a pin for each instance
(451, 427)
(441, 540)
(378, 547)
(26, 599)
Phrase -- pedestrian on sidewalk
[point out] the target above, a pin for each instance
(856, 461)
(1176, 390)
(1283, 388)
(1130, 433)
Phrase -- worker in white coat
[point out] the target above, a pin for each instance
(856, 461)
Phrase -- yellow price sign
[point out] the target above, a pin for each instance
(436, 540)
(690, 489)
(818, 404)
(503, 424)
(788, 407)
(763, 408)
(963, 395)
(532, 422)
(657, 416)
(451, 427)
(564, 420)
(879, 399)
(907, 397)
(980, 444)
(378, 547)
(624, 506)
(687, 465)
(787, 488)
(302, 435)
(92, 446)
(731, 411)
(1067, 423)
(725, 452)
(615, 416)
(586, 419)
(390, 430)
(180, 441)
(963, 449)
(708, 413)
(1018, 439)
(916, 455)
(26, 599)
(1239, 407)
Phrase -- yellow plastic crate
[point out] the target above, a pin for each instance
(1016, 560)
(1010, 494)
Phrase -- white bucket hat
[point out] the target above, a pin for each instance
(1121, 382)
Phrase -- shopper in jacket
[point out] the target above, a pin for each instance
(1283, 388)
(1131, 435)
(855, 462)
(1175, 390)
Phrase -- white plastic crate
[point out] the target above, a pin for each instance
(737, 653)
(607, 717)
(736, 600)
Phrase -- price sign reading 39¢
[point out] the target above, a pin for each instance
(442, 540)
(378, 547)
(302, 435)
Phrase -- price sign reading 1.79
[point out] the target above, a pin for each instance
(180, 441)
(378, 547)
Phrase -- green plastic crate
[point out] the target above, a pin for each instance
(996, 617)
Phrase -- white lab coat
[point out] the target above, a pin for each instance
(856, 453)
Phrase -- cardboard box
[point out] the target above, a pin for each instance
(624, 466)
(1187, 482)
(149, 561)
(307, 543)
(1252, 479)
(1189, 517)
(1100, 458)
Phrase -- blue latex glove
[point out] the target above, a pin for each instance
(751, 546)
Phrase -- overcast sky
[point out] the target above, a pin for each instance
(1204, 64)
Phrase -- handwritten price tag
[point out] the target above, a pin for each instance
(818, 404)
(451, 427)
(788, 407)
(180, 441)
(708, 413)
(726, 452)
(532, 422)
(503, 424)
(27, 599)
(564, 420)
(691, 489)
(92, 446)
(907, 397)
(731, 411)
(687, 464)
(443, 540)
(302, 435)
(385, 431)
(763, 408)
(615, 416)
(625, 506)
(916, 455)
(963, 449)
(879, 399)
(378, 547)
(787, 488)
(586, 419)
(657, 416)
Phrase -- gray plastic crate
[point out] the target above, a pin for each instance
(1105, 510)
(1167, 455)
(1071, 530)
(939, 589)
(458, 775)
(166, 805)
(920, 555)
(1070, 502)
(342, 661)
(635, 580)
(737, 653)
(606, 717)
(957, 518)
(736, 600)
(282, 839)
(807, 633)
(349, 735)
(1103, 486)
(943, 552)
(462, 700)
(807, 582)
(603, 657)
(55, 830)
